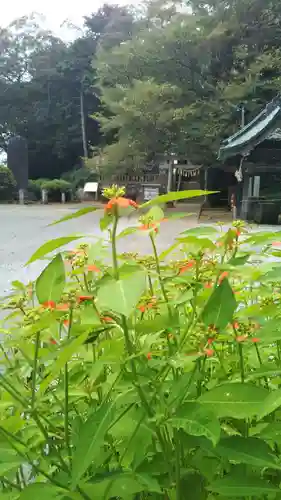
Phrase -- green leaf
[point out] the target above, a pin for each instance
(240, 260)
(42, 491)
(170, 249)
(127, 231)
(155, 213)
(270, 331)
(160, 322)
(64, 356)
(272, 432)
(6, 467)
(252, 451)
(75, 215)
(196, 420)
(122, 485)
(183, 297)
(176, 195)
(220, 307)
(90, 440)
(18, 285)
(105, 221)
(235, 400)
(271, 403)
(263, 237)
(123, 295)
(266, 370)
(50, 246)
(51, 282)
(178, 215)
(239, 485)
(197, 242)
(273, 275)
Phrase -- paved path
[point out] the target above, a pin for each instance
(24, 229)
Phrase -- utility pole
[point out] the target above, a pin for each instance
(83, 125)
(242, 116)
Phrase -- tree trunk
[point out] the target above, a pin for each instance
(83, 123)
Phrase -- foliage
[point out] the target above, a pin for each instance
(46, 85)
(212, 57)
(7, 184)
(55, 185)
(145, 378)
(79, 176)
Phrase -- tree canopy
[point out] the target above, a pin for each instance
(178, 84)
(163, 78)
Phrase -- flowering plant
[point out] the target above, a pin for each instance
(149, 378)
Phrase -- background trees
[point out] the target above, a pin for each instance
(137, 84)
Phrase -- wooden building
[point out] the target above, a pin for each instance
(253, 158)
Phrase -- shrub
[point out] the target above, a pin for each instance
(56, 185)
(145, 379)
(7, 184)
(34, 187)
(79, 177)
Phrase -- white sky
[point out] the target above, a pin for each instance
(55, 12)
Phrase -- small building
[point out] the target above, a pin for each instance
(253, 156)
(170, 173)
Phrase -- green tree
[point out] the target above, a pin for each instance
(46, 91)
(211, 55)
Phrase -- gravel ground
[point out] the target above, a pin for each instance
(24, 229)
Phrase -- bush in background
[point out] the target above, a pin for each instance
(79, 177)
(7, 184)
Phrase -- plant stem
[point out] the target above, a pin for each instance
(66, 393)
(150, 284)
(159, 274)
(129, 346)
(242, 367)
(178, 464)
(34, 373)
(113, 246)
(260, 362)
(278, 351)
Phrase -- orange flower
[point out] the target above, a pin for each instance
(83, 298)
(66, 322)
(147, 227)
(241, 338)
(238, 233)
(187, 266)
(53, 341)
(209, 352)
(276, 244)
(121, 203)
(255, 340)
(149, 355)
(236, 325)
(92, 267)
(50, 304)
(209, 284)
(107, 319)
(210, 340)
(223, 276)
(62, 307)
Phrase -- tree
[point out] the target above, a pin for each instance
(7, 184)
(46, 91)
(217, 55)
